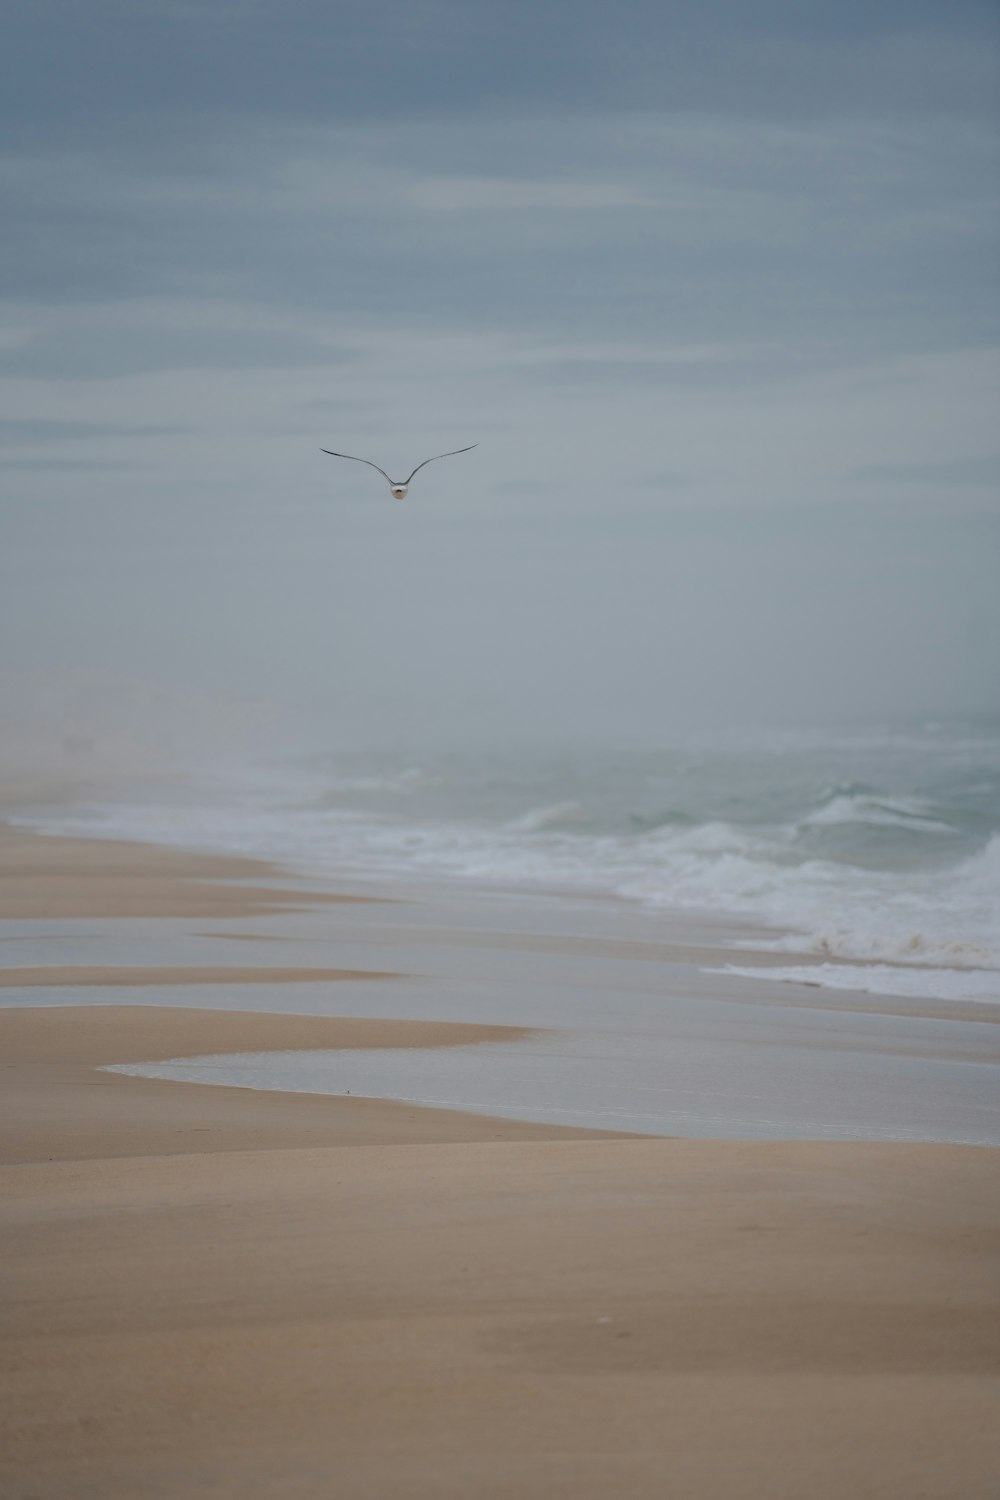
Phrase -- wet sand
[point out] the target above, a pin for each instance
(70, 877)
(222, 1292)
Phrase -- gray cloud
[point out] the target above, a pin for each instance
(668, 479)
(129, 337)
(83, 65)
(66, 465)
(832, 240)
(39, 430)
(615, 373)
(976, 472)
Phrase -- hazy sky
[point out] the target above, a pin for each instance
(712, 284)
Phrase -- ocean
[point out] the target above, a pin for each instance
(875, 850)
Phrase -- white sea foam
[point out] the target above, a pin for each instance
(545, 817)
(911, 813)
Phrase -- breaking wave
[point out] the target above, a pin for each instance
(898, 865)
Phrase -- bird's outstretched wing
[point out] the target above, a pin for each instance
(441, 455)
(358, 461)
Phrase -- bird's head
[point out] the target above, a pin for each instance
(398, 491)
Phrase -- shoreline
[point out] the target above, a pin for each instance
(58, 1103)
(528, 961)
(232, 1292)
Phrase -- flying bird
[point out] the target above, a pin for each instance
(396, 488)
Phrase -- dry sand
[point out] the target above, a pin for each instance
(215, 1292)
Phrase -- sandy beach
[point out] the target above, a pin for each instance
(226, 1292)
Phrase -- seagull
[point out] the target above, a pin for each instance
(396, 489)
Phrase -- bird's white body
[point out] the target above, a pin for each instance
(398, 491)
